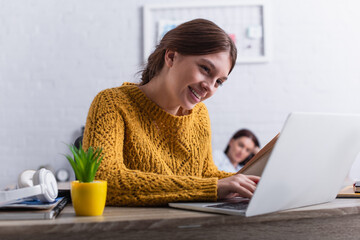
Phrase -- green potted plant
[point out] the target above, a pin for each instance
(88, 195)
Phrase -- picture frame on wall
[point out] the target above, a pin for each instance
(246, 22)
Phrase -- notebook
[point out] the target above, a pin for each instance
(307, 166)
(33, 209)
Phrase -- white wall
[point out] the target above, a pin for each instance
(315, 67)
(55, 55)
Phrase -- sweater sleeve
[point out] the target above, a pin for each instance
(210, 169)
(126, 187)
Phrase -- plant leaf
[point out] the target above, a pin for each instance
(85, 163)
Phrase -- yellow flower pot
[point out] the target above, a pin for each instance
(88, 199)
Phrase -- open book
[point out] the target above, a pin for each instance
(257, 164)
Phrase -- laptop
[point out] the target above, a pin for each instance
(307, 166)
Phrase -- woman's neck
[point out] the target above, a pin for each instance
(232, 162)
(157, 92)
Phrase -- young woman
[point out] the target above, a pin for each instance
(156, 135)
(242, 146)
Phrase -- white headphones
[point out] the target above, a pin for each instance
(40, 184)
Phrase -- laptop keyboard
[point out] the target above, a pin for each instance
(232, 205)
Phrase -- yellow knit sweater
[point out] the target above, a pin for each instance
(150, 156)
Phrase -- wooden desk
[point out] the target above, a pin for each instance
(339, 219)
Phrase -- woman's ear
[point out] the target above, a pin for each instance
(169, 57)
(231, 142)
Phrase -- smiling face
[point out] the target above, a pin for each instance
(192, 79)
(239, 149)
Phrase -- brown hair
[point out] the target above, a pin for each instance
(196, 37)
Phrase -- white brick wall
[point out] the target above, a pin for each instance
(55, 55)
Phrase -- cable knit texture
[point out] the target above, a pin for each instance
(151, 157)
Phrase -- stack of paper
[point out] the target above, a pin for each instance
(33, 209)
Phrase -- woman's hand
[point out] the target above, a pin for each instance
(256, 150)
(238, 185)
